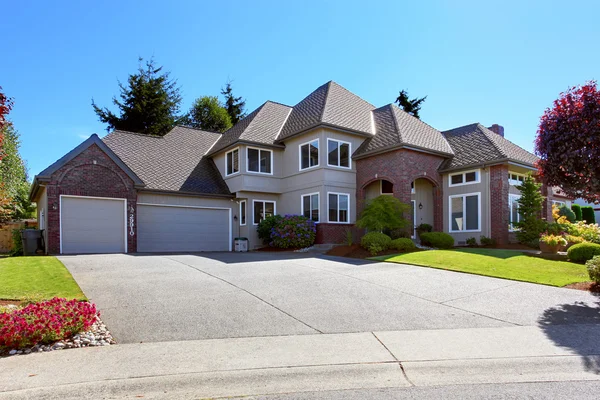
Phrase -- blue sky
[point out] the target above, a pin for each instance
(476, 61)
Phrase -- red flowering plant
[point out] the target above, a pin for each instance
(45, 322)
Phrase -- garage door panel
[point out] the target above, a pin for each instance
(181, 229)
(90, 225)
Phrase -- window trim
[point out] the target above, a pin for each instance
(338, 208)
(511, 182)
(464, 175)
(318, 154)
(515, 197)
(262, 201)
(349, 153)
(248, 160)
(226, 163)
(318, 202)
(244, 203)
(479, 216)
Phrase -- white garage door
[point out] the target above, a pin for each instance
(92, 225)
(182, 229)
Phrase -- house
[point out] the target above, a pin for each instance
(324, 157)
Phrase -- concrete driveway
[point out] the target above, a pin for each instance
(156, 298)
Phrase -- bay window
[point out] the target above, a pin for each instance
(339, 207)
(260, 160)
(310, 206)
(232, 160)
(338, 153)
(309, 154)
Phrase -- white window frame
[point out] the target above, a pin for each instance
(227, 163)
(262, 201)
(464, 178)
(338, 208)
(512, 198)
(559, 203)
(248, 161)
(243, 204)
(349, 154)
(318, 203)
(381, 188)
(300, 154)
(513, 182)
(479, 216)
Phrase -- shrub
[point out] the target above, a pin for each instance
(424, 228)
(397, 233)
(587, 214)
(293, 231)
(564, 211)
(403, 245)
(486, 241)
(589, 232)
(265, 226)
(45, 322)
(17, 249)
(583, 251)
(472, 242)
(439, 240)
(593, 267)
(576, 208)
(376, 242)
(349, 237)
(571, 240)
(383, 213)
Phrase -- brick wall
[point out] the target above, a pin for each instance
(401, 167)
(499, 203)
(91, 173)
(336, 233)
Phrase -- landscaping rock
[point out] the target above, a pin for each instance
(12, 352)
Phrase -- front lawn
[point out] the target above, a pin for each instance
(36, 277)
(508, 264)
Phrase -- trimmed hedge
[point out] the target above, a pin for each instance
(439, 240)
(376, 242)
(583, 251)
(403, 245)
(577, 210)
(587, 214)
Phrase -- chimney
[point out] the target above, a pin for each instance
(499, 129)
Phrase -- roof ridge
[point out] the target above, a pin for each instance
(258, 111)
(490, 132)
(352, 93)
(276, 102)
(395, 121)
(325, 101)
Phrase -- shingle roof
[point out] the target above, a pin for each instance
(330, 104)
(260, 126)
(475, 144)
(394, 128)
(174, 162)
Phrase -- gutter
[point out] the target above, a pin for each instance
(187, 194)
(401, 146)
(245, 142)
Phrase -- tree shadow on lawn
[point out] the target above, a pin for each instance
(575, 326)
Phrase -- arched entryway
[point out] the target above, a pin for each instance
(422, 201)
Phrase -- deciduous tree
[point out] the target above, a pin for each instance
(208, 113)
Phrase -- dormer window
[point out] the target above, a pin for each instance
(260, 161)
(232, 161)
(309, 154)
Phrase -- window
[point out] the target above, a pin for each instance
(465, 178)
(412, 187)
(387, 187)
(339, 207)
(515, 179)
(260, 160)
(465, 212)
(309, 154)
(513, 211)
(310, 206)
(262, 210)
(338, 153)
(243, 212)
(232, 161)
(557, 203)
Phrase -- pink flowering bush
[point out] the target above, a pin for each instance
(293, 231)
(45, 322)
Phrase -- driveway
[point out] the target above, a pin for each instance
(156, 298)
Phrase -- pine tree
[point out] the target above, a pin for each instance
(233, 105)
(411, 106)
(149, 104)
(530, 209)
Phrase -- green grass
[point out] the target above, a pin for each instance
(36, 277)
(508, 264)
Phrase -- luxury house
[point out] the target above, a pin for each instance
(324, 157)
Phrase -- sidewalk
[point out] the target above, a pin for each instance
(285, 364)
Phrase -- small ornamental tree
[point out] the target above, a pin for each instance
(577, 210)
(568, 143)
(530, 209)
(587, 214)
(383, 213)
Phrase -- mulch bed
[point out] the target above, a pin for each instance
(10, 302)
(355, 251)
(587, 286)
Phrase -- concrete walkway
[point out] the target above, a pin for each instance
(267, 365)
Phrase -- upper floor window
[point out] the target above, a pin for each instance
(465, 212)
(232, 161)
(515, 179)
(465, 178)
(260, 160)
(310, 206)
(514, 216)
(338, 153)
(309, 154)
(262, 210)
(339, 207)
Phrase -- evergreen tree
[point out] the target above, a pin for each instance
(530, 209)
(411, 106)
(208, 113)
(148, 104)
(233, 105)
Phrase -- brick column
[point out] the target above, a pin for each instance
(499, 203)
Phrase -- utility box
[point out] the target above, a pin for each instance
(241, 244)
(32, 241)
